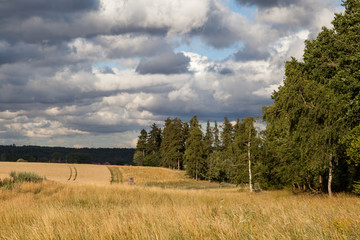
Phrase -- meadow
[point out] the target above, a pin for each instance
(165, 204)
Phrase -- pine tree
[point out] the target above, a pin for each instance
(139, 155)
(227, 134)
(153, 156)
(194, 151)
(216, 137)
(172, 145)
(208, 139)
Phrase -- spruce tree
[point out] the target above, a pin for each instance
(153, 157)
(172, 145)
(216, 137)
(194, 151)
(227, 134)
(208, 139)
(141, 146)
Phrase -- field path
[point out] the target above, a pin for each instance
(61, 172)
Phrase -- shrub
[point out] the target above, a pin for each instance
(356, 187)
(6, 183)
(21, 160)
(26, 177)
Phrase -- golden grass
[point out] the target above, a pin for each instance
(66, 211)
(54, 210)
(85, 173)
(165, 178)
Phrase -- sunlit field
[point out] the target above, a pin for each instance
(64, 210)
(76, 173)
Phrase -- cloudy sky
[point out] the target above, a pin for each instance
(95, 72)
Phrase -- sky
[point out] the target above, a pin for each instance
(93, 73)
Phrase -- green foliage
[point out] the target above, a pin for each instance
(173, 143)
(194, 151)
(154, 140)
(227, 134)
(114, 156)
(7, 183)
(25, 177)
(316, 108)
(153, 160)
(356, 186)
(21, 160)
(57, 157)
(116, 175)
(353, 150)
(313, 126)
(141, 148)
(79, 157)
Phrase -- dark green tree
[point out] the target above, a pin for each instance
(216, 137)
(141, 146)
(194, 151)
(226, 134)
(208, 139)
(318, 105)
(172, 145)
(153, 156)
(154, 140)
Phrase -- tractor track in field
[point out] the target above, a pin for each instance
(72, 169)
(116, 176)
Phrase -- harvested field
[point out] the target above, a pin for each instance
(76, 173)
(100, 174)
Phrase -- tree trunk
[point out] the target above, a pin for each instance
(178, 164)
(330, 175)
(249, 156)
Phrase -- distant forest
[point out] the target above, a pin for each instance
(312, 138)
(114, 156)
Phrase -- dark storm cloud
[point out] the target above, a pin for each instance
(218, 31)
(44, 21)
(248, 54)
(226, 71)
(168, 63)
(25, 8)
(267, 3)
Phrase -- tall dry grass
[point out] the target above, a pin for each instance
(165, 178)
(52, 210)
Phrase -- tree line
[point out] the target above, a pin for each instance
(312, 137)
(222, 153)
(115, 156)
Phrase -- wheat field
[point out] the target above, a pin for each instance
(60, 210)
(60, 172)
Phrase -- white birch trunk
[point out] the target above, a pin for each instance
(330, 175)
(249, 156)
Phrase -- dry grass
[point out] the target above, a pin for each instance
(165, 178)
(66, 211)
(84, 173)
(54, 210)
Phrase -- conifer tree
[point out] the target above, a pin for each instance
(172, 145)
(153, 157)
(227, 134)
(216, 137)
(139, 155)
(194, 151)
(208, 139)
